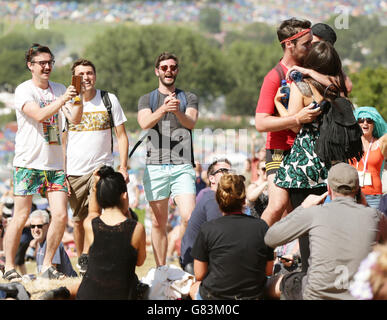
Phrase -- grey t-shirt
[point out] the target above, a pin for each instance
(341, 234)
(168, 141)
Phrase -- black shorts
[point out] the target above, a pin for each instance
(274, 158)
(291, 286)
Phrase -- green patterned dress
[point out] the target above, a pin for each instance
(301, 167)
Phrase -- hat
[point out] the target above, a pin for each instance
(325, 32)
(380, 126)
(343, 178)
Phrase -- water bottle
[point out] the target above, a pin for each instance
(296, 76)
(285, 89)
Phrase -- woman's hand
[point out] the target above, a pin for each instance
(279, 95)
(96, 178)
(305, 72)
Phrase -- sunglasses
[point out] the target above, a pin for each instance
(222, 170)
(43, 63)
(171, 67)
(362, 120)
(40, 226)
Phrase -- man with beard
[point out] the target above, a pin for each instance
(296, 39)
(89, 147)
(170, 114)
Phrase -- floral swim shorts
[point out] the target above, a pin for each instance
(32, 181)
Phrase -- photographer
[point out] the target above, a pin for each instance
(341, 234)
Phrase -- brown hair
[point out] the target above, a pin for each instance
(166, 56)
(231, 193)
(324, 59)
(291, 27)
(82, 62)
(34, 50)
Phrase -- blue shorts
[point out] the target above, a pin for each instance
(168, 180)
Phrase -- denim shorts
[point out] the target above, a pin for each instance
(168, 180)
(32, 181)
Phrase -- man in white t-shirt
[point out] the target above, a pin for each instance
(89, 147)
(41, 106)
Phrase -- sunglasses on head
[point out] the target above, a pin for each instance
(172, 67)
(40, 226)
(222, 170)
(369, 120)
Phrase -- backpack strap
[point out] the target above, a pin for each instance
(108, 106)
(154, 99)
(280, 72)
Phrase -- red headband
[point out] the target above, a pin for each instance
(297, 35)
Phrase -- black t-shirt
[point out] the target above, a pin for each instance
(236, 253)
(206, 209)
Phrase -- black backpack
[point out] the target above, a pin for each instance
(340, 134)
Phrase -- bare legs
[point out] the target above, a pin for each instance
(58, 207)
(22, 208)
(278, 202)
(185, 204)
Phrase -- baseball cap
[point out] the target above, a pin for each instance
(325, 32)
(343, 178)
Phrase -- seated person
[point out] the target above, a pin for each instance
(39, 222)
(117, 242)
(231, 260)
(205, 209)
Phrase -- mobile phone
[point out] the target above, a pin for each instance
(76, 82)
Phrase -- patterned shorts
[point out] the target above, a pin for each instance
(32, 181)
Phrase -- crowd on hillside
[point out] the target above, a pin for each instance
(305, 219)
(246, 11)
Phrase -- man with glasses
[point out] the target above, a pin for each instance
(206, 209)
(170, 114)
(88, 147)
(39, 223)
(41, 106)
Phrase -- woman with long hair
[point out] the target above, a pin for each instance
(231, 260)
(302, 171)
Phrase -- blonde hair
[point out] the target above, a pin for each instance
(231, 193)
(378, 276)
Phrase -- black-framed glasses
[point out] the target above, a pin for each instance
(39, 226)
(172, 67)
(362, 120)
(44, 62)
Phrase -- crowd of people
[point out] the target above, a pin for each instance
(144, 12)
(301, 222)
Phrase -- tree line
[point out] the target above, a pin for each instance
(232, 64)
